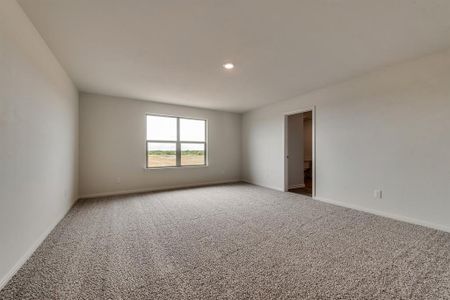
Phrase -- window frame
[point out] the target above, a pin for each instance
(177, 143)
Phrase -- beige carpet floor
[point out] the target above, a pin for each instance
(232, 242)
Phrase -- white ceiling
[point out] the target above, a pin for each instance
(172, 50)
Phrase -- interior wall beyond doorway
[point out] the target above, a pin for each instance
(295, 151)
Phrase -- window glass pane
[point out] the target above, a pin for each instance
(161, 128)
(192, 130)
(161, 155)
(192, 154)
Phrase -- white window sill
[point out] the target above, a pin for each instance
(173, 168)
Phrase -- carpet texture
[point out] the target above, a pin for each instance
(232, 242)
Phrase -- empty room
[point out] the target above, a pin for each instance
(224, 149)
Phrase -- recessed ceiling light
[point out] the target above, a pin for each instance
(228, 66)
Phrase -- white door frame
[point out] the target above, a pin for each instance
(285, 143)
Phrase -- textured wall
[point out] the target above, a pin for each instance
(38, 139)
(385, 130)
(112, 146)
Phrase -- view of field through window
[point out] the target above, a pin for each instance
(164, 155)
(192, 154)
(161, 155)
(162, 140)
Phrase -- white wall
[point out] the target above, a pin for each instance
(295, 151)
(38, 139)
(388, 129)
(112, 146)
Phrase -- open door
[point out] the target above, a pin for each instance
(300, 153)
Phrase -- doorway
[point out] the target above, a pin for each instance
(300, 152)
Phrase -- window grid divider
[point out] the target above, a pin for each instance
(178, 145)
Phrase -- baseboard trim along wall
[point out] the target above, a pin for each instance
(369, 210)
(155, 189)
(27, 255)
(44, 235)
(385, 214)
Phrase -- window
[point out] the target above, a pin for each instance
(175, 142)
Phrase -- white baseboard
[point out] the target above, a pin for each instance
(42, 237)
(30, 251)
(386, 214)
(296, 186)
(155, 189)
